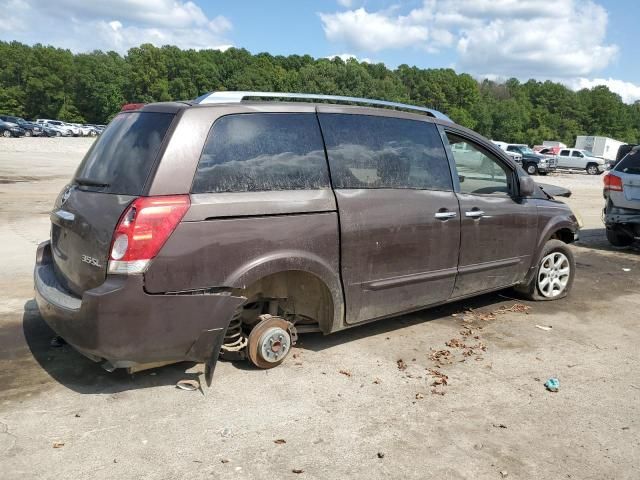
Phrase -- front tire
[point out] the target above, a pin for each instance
(618, 238)
(592, 169)
(531, 168)
(6, 134)
(554, 274)
(27, 133)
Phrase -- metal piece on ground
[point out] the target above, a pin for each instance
(190, 385)
(270, 341)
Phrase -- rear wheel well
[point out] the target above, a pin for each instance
(563, 234)
(298, 296)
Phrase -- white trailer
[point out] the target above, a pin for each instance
(604, 147)
(552, 143)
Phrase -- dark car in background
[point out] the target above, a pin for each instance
(30, 129)
(8, 129)
(225, 227)
(534, 163)
(622, 196)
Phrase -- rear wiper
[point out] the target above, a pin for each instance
(91, 183)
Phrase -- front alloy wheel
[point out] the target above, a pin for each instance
(592, 169)
(553, 275)
(531, 168)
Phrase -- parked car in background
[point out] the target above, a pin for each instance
(8, 130)
(30, 129)
(532, 162)
(56, 125)
(549, 152)
(49, 131)
(622, 196)
(85, 130)
(233, 225)
(574, 159)
(622, 151)
(93, 130)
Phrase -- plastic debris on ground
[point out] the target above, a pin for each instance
(553, 384)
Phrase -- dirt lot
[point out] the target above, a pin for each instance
(358, 404)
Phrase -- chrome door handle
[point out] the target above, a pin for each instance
(474, 214)
(445, 215)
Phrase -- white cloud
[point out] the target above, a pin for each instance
(345, 3)
(349, 56)
(630, 92)
(568, 45)
(372, 31)
(81, 25)
(499, 38)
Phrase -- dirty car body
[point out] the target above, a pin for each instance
(622, 200)
(189, 223)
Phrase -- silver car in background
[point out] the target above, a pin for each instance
(622, 195)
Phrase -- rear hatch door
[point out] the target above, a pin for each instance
(112, 174)
(628, 169)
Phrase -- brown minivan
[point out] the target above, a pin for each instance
(225, 227)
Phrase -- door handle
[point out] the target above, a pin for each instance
(474, 214)
(445, 215)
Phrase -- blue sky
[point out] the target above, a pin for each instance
(581, 43)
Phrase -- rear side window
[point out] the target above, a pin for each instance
(121, 159)
(630, 163)
(384, 152)
(261, 152)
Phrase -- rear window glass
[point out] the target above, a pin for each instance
(122, 157)
(384, 152)
(262, 151)
(630, 163)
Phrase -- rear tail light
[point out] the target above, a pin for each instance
(612, 183)
(142, 231)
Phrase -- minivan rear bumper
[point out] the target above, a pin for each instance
(119, 322)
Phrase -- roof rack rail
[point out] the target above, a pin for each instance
(238, 97)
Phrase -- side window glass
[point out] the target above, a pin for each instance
(261, 152)
(564, 153)
(367, 151)
(576, 154)
(479, 171)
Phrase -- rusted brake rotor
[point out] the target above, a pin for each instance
(270, 341)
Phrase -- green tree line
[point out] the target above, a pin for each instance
(48, 82)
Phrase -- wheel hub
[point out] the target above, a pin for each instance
(274, 344)
(270, 341)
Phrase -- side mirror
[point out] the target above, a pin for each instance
(527, 185)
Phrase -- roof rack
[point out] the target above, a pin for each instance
(238, 97)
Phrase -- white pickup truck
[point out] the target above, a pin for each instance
(574, 159)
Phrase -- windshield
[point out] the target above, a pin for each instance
(526, 150)
(587, 153)
(123, 156)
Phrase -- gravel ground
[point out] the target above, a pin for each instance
(357, 404)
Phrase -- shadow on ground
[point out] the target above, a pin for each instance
(596, 239)
(80, 374)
